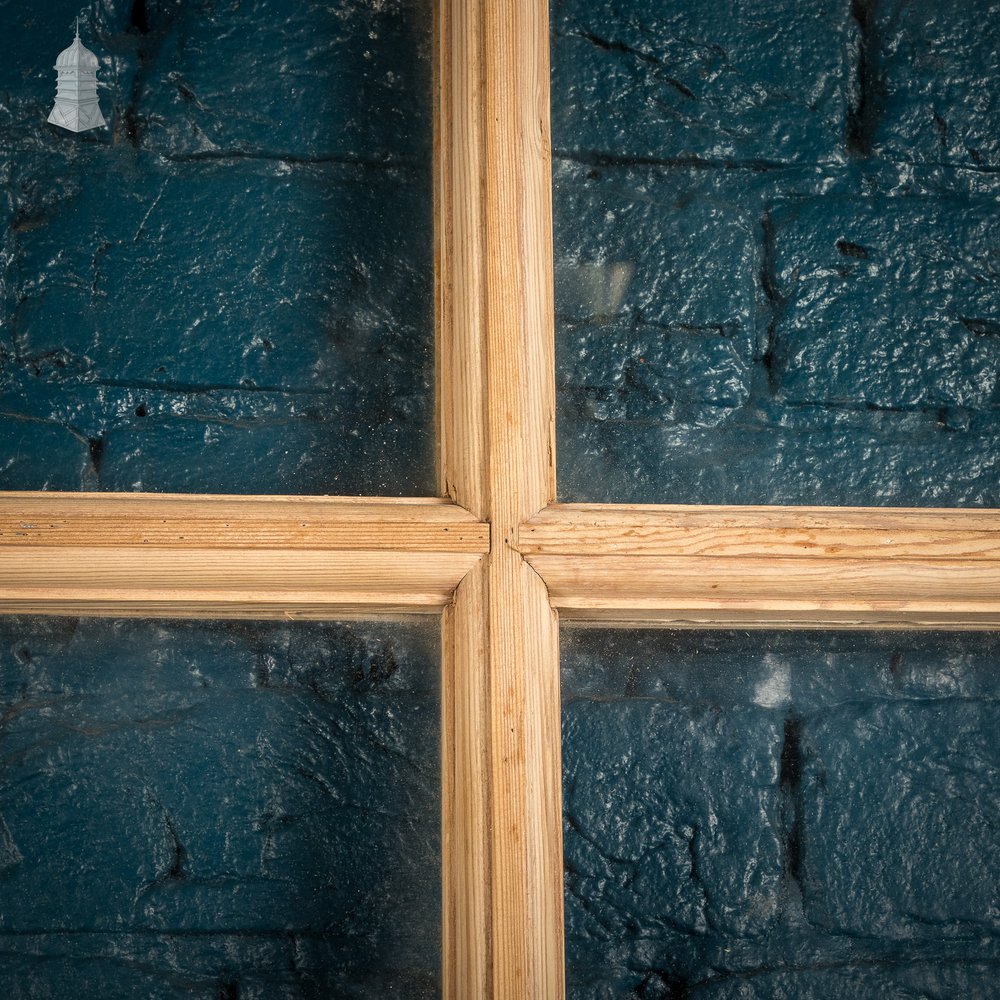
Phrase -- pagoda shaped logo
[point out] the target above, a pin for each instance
(76, 106)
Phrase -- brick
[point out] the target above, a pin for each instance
(280, 324)
(900, 819)
(653, 850)
(275, 781)
(889, 303)
(618, 243)
(307, 80)
(936, 68)
(866, 760)
(801, 455)
(711, 81)
(44, 454)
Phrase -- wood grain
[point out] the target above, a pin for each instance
(502, 803)
(461, 166)
(794, 567)
(806, 532)
(218, 583)
(218, 522)
(206, 557)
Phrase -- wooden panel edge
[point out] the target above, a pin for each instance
(834, 533)
(210, 582)
(465, 800)
(182, 521)
(635, 618)
(716, 590)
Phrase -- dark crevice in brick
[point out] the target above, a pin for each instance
(981, 327)
(639, 322)
(364, 163)
(896, 664)
(202, 389)
(646, 57)
(942, 129)
(869, 88)
(102, 248)
(790, 782)
(96, 446)
(378, 669)
(598, 159)
(662, 984)
(776, 302)
(58, 358)
(184, 90)
(25, 221)
(692, 846)
(139, 17)
(14, 330)
(229, 989)
(176, 872)
(853, 250)
(262, 673)
(129, 124)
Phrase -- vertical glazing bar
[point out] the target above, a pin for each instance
(502, 804)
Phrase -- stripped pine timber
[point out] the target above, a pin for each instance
(502, 863)
(224, 557)
(335, 523)
(806, 532)
(769, 567)
(225, 582)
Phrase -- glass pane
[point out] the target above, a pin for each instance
(777, 253)
(781, 816)
(219, 809)
(229, 288)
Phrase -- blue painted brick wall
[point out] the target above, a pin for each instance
(220, 811)
(801, 816)
(776, 251)
(230, 288)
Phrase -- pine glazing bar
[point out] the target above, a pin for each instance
(195, 556)
(502, 860)
(769, 566)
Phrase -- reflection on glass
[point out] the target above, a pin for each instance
(229, 289)
(761, 814)
(807, 224)
(219, 809)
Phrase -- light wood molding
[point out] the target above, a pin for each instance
(460, 270)
(209, 557)
(252, 522)
(769, 566)
(803, 532)
(502, 803)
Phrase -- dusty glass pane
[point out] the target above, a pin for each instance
(229, 288)
(789, 816)
(776, 251)
(219, 809)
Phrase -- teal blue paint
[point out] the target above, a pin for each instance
(189, 808)
(803, 199)
(794, 815)
(230, 289)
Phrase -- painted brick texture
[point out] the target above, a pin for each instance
(776, 252)
(230, 288)
(800, 815)
(221, 810)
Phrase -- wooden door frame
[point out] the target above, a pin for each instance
(495, 554)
